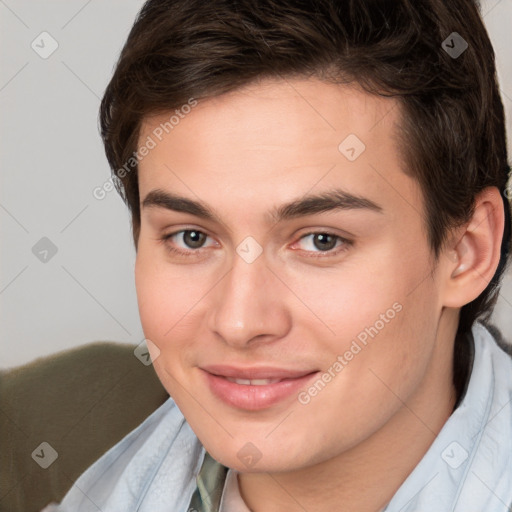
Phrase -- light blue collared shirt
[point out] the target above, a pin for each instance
(468, 467)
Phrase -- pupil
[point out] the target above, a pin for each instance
(194, 238)
(324, 241)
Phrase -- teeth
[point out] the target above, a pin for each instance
(253, 382)
(245, 382)
(263, 382)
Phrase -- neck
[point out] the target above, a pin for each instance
(366, 477)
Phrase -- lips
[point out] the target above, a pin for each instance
(254, 388)
(261, 372)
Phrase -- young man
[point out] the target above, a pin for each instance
(318, 197)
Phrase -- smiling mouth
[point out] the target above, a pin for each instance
(255, 374)
(255, 389)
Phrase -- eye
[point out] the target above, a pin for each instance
(189, 242)
(186, 241)
(322, 242)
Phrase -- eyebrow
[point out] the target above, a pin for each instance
(328, 201)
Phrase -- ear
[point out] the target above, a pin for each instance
(472, 257)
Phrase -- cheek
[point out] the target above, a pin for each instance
(171, 309)
(150, 297)
(350, 297)
(165, 294)
(382, 316)
(394, 337)
(162, 301)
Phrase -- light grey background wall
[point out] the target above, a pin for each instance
(66, 268)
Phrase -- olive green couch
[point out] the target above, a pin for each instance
(64, 412)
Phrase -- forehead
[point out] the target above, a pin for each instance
(277, 139)
(257, 112)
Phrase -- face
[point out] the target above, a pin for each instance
(283, 272)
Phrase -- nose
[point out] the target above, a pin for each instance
(248, 306)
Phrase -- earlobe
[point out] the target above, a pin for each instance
(474, 258)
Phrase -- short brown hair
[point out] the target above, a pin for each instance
(452, 130)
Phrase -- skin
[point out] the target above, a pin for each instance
(296, 306)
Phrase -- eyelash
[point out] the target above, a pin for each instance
(318, 254)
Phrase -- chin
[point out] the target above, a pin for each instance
(258, 457)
